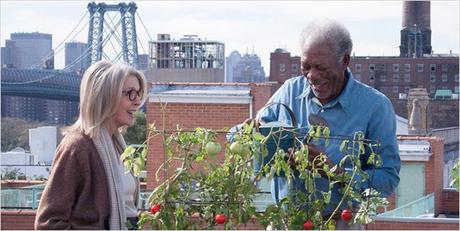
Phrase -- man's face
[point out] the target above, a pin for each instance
(323, 70)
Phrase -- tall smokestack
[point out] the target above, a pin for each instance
(416, 29)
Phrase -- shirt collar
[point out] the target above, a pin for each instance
(343, 99)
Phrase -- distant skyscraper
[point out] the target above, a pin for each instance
(10, 56)
(76, 57)
(231, 62)
(28, 51)
(244, 69)
(188, 59)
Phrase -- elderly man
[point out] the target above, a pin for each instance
(327, 89)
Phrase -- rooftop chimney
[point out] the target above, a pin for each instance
(416, 29)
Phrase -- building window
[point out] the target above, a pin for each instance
(419, 67)
(456, 89)
(433, 67)
(406, 89)
(371, 67)
(395, 67)
(395, 78)
(432, 78)
(282, 67)
(294, 68)
(407, 78)
(383, 78)
(358, 67)
(444, 77)
(432, 89)
(395, 89)
(358, 77)
(444, 67)
(456, 78)
(407, 67)
(371, 78)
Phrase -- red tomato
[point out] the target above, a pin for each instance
(308, 225)
(346, 215)
(220, 219)
(155, 208)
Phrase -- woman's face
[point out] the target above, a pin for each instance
(129, 104)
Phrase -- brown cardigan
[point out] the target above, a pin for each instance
(76, 194)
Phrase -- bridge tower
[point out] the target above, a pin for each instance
(128, 31)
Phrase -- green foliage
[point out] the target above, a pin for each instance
(134, 157)
(191, 198)
(13, 174)
(455, 176)
(137, 133)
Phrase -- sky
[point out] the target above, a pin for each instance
(245, 26)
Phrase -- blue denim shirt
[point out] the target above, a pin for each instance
(358, 108)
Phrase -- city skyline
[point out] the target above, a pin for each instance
(261, 26)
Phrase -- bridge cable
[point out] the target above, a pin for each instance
(140, 19)
(115, 34)
(145, 29)
(112, 31)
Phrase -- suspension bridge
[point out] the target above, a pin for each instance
(109, 26)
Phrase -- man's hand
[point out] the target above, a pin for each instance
(313, 152)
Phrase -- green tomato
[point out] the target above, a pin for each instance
(237, 148)
(212, 148)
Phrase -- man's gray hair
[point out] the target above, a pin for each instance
(325, 31)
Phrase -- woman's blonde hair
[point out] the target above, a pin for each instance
(100, 94)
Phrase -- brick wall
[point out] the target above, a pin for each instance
(192, 115)
(450, 201)
(188, 117)
(17, 219)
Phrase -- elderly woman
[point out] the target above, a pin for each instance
(88, 187)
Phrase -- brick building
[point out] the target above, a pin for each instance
(396, 75)
(283, 66)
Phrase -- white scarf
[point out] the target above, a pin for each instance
(113, 169)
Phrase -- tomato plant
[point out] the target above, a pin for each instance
(223, 192)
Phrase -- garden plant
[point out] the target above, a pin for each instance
(220, 194)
